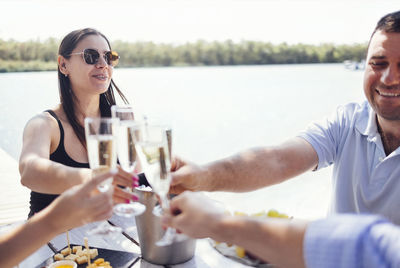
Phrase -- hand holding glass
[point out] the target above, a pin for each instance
(126, 154)
(152, 148)
(101, 147)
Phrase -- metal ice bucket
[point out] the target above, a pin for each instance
(150, 231)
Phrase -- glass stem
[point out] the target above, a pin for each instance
(165, 202)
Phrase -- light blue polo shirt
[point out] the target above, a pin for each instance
(364, 179)
(349, 241)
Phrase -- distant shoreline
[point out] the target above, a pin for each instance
(23, 69)
(42, 56)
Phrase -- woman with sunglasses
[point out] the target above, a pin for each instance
(54, 156)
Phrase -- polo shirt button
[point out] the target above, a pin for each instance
(381, 159)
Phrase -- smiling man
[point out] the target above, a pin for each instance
(361, 141)
(382, 88)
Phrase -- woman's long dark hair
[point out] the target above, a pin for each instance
(67, 96)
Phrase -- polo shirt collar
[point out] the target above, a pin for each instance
(366, 125)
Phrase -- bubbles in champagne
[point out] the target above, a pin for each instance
(126, 146)
(155, 162)
(102, 157)
(101, 151)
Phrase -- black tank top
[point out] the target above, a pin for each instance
(40, 200)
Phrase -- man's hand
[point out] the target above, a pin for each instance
(194, 215)
(81, 204)
(186, 176)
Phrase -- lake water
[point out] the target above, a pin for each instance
(214, 112)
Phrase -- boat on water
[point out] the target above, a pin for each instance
(354, 65)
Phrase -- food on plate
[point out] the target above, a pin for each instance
(58, 257)
(275, 214)
(239, 252)
(84, 252)
(81, 259)
(100, 262)
(93, 253)
(66, 251)
(76, 248)
(71, 257)
(80, 255)
(272, 213)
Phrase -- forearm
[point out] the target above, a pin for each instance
(276, 241)
(46, 176)
(243, 172)
(26, 239)
(260, 167)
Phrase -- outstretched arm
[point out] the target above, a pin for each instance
(77, 206)
(277, 241)
(42, 175)
(37, 171)
(246, 171)
(343, 241)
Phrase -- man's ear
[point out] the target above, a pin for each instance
(62, 65)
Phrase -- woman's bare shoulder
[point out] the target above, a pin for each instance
(42, 122)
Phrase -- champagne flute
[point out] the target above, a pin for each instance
(151, 144)
(126, 154)
(101, 147)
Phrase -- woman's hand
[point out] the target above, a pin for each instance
(124, 179)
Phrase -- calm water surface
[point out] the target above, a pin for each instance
(214, 112)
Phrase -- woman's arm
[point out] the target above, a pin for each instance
(77, 206)
(37, 171)
(40, 174)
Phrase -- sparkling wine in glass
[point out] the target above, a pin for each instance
(126, 154)
(102, 157)
(100, 136)
(152, 149)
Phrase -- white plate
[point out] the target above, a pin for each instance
(230, 252)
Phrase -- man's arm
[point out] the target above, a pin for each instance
(77, 206)
(277, 241)
(341, 241)
(246, 171)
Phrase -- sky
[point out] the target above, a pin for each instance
(178, 21)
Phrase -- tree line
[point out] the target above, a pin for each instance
(42, 55)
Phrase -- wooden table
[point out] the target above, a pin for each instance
(205, 254)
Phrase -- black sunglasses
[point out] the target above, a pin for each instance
(91, 56)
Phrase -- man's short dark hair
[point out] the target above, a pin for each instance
(389, 23)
